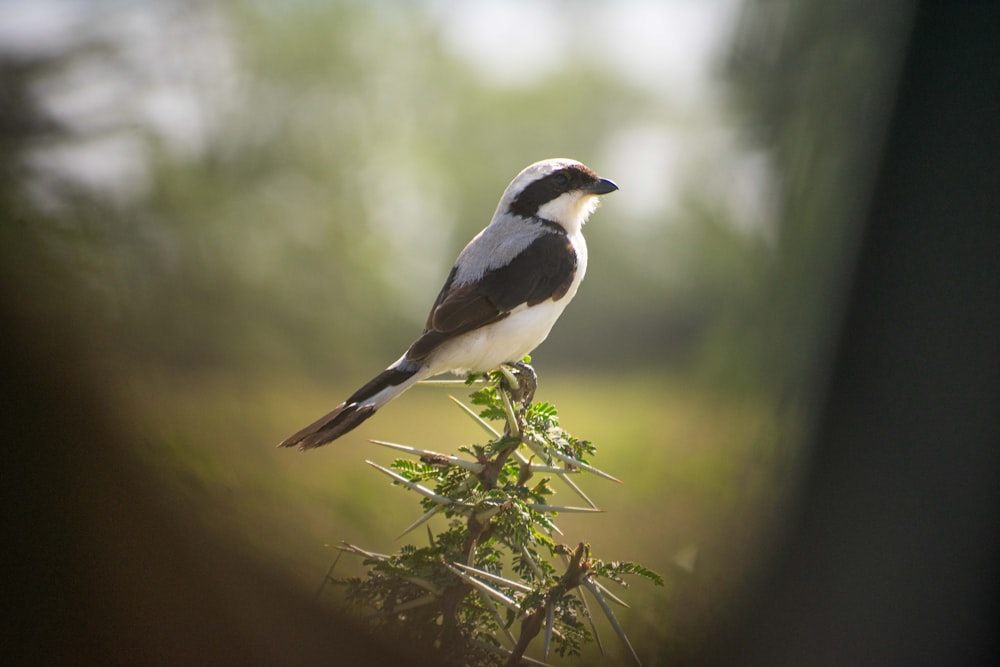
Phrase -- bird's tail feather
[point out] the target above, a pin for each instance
(361, 405)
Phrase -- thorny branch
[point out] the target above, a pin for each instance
(450, 597)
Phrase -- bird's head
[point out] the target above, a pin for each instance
(558, 190)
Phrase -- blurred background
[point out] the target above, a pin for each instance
(241, 211)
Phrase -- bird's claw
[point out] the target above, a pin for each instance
(520, 381)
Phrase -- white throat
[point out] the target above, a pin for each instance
(570, 209)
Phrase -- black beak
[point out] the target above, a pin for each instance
(601, 187)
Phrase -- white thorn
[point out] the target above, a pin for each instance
(596, 592)
(423, 490)
(416, 451)
(479, 420)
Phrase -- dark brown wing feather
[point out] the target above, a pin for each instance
(544, 270)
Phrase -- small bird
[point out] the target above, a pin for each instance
(507, 288)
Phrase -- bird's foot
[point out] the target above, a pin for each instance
(520, 381)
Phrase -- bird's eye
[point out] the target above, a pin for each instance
(561, 178)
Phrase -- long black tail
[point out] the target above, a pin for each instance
(361, 405)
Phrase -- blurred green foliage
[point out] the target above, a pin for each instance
(352, 158)
(813, 83)
(320, 221)
(353, 154)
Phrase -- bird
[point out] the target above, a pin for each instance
(504, 293)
